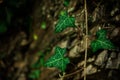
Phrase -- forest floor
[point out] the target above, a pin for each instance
(24, 50)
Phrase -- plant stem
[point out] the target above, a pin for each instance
(86, 27)
(71, 74)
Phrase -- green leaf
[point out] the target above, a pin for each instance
(58, 60)
(3, 27)
(64, 22)
(39, 53)
(34, 74)
(43, 25)
(9, 15)
(62, 13)
(66, 2)
(101, 42)
(38, 63)
(35, 37)
(101, 34)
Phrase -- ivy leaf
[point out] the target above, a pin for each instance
(101, 42)
(9, 16)
(66, 2)
(38, 63)
(64, 22)
(101, 34)
(34, 74)
(43, 25)
(35, 36)
(58, 60)
(3, 27)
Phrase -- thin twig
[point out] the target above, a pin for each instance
(71, 74)
(86, 26)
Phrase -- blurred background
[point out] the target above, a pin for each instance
(27, 39)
